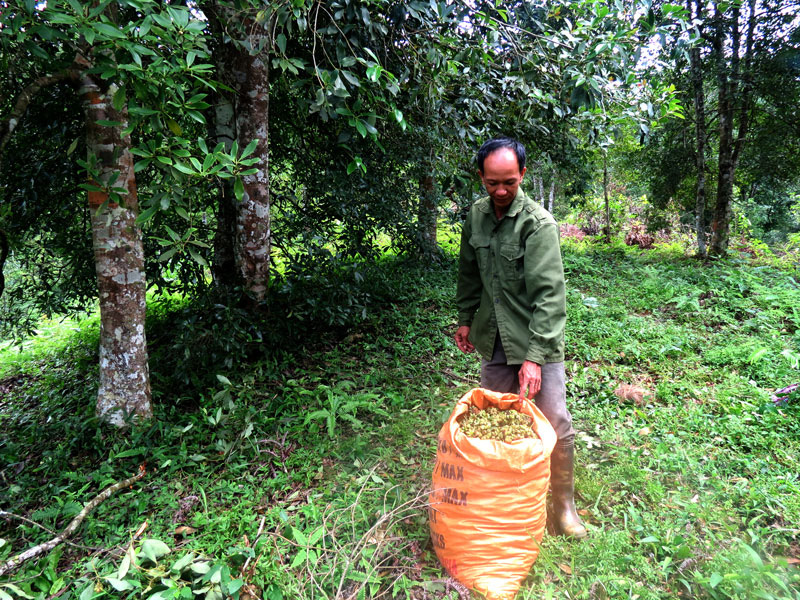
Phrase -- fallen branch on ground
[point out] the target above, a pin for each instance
(15, 561)
(464, 378)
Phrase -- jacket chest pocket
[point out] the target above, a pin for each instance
(480, 244)
(512, 261)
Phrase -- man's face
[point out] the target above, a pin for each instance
(501, 176)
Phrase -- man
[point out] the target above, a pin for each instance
(512, 307)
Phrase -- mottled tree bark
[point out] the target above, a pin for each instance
(730, 98)
(243, 46)
(250, 76)
(551, 197)
(605, 196)
(224, 264)
(427, 213)
(124, 389)
(701, 135)
(538, 187)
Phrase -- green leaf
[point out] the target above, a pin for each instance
(196, 116)
(197, 258)
(214, 574)
(18, 591)
(119, 584)
(146, 215)
(224, 380)
(174, 127)
(648, 540)
(281, 41)
(238, 189)
(109, 30)
(715, 580)
(62, 18)
(119, 99)
(754, 555)
(182, 563)
(154, 549)
(250, 149)
(88, 592)
(299, 536)
(298, 559)
(72, 147)
(183, 168)
(128, 454)
(172, 233)
(316, 535)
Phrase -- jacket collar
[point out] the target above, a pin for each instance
(516, 205)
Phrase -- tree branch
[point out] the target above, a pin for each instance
(24, 99)
(15, 561)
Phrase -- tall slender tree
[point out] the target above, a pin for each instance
(734, 105)
(700, 127)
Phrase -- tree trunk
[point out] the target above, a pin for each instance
(724, 208)
(244, 65)
(538, 188)
(428, 211)
(725, 167)
(224, 263)
(605, 196)
(551, 197)
(701, 135)
(124, 389)
(729, 99)
(251, 78)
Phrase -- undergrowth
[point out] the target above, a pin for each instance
(288, 460)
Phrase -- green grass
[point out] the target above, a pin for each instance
(294, 484)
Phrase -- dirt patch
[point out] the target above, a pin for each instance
(10, 384)
(11, 387)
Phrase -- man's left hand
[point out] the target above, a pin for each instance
(530, 379)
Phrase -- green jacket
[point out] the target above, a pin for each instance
(511, 280)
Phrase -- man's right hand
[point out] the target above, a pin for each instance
(462, 339)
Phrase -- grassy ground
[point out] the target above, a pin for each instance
(296, 467)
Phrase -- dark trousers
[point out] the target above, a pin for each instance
(498, 376)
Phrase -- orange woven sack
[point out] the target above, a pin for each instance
(487, 508)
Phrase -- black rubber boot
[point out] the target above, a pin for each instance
(563, 516)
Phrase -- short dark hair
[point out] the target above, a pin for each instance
(502, 142)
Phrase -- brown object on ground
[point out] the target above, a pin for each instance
(14, 562)
(630, 393)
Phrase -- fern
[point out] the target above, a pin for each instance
(50, 513)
